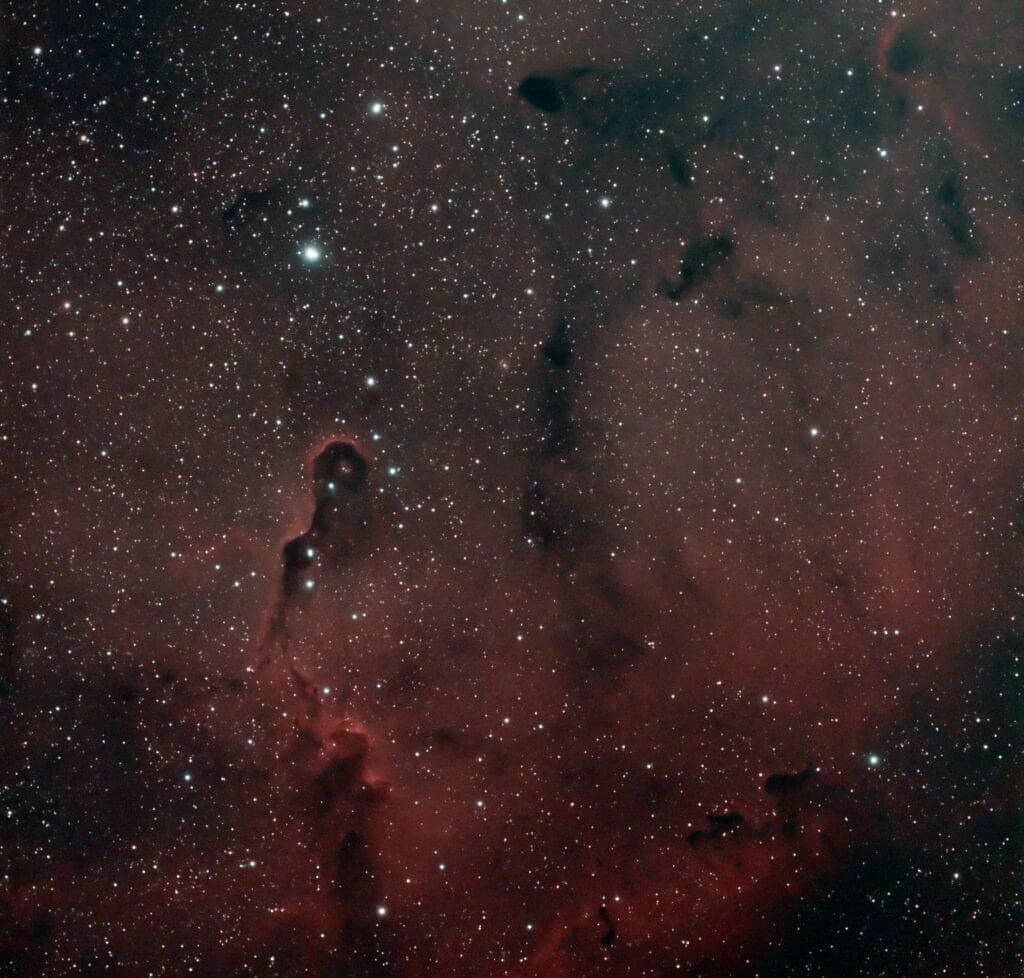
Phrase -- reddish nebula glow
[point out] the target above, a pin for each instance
(511, 490)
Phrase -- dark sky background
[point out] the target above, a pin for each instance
(501, 488)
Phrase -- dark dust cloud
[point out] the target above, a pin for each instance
(511, 489)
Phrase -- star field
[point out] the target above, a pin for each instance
(493, 488)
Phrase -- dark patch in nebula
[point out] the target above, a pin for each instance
(700, 261)
(542, 93)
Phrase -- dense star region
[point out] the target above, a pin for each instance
(505, 489)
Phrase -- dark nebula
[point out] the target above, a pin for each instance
(248, 205)
(542, 93)
(512, 490)
(699, 263)
(339, 528)
(905, 53)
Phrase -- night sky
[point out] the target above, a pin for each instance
(508, 489)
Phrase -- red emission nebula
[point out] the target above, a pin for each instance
(501, 489)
